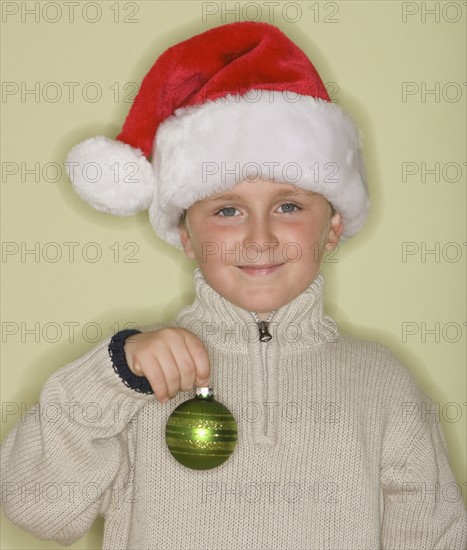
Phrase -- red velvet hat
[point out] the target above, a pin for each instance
(240, 101)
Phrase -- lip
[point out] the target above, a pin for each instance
(260, 270)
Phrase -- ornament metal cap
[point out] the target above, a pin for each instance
(204, 391)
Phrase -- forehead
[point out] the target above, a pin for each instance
(251, 189)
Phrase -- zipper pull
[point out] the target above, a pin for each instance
(264, 335)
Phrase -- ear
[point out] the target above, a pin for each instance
(335, 230)
(186, 240)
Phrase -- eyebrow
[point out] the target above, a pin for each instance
(284, 193)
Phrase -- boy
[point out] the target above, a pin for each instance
(325, 457)
(263, 285)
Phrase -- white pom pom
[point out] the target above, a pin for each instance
(111, 176)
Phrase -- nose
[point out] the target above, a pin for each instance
(260, 235)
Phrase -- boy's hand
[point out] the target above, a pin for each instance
(172, 359)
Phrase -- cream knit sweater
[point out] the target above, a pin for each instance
(333, 452)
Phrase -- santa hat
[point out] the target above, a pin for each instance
(240, 101)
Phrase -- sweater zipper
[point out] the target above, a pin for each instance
(264, 337)
(263, 327)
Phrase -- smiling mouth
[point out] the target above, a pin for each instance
(259, 270)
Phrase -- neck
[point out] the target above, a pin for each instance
(263, 316)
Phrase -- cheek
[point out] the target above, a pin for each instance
(312, 231)
(212, 236)
(312, 238)
(325, 233)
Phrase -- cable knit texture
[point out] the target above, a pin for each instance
(333, 451)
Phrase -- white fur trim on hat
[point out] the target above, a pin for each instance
(111, 176)
(207, 149)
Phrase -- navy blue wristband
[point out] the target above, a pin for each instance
(117, 355)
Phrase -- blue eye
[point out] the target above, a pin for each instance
(227, 212)
(289, 207)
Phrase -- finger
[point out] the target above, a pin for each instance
(200, 358)
(186, 366)
(171, 372)
(162, 373)
(155, 376)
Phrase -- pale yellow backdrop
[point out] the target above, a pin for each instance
(68, 73)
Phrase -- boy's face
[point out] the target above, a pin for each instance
(261, 244)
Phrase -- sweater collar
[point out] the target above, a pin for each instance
(299, 323)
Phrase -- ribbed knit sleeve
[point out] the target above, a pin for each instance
(423, 506)
(68, 459)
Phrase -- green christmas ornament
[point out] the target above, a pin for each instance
(201, 433)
